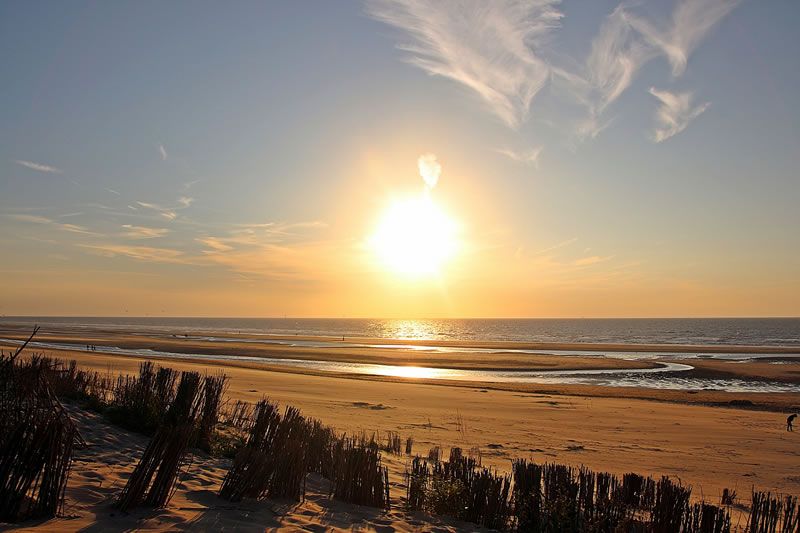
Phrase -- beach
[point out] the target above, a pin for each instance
(400, 265)
(709, 439)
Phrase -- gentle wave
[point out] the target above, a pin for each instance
(684, 331)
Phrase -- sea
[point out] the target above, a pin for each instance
(671, 372)
(682, 331)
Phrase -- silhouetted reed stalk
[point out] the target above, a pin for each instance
(417, 479)
(554, 498)
(705, 518)
(672, 502)
(527, 495)
(358, 475)
(140, 402)
(393, 443)
(771, 514)
(638, 491)
(249, 475)
(320, 443)
(459, 488)
(213, 389)
(274, 461)
(435, 454)
(475, 453)
(87, 387)
(154, 477)
(239, 415)
(36, 439)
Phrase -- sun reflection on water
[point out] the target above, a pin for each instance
(410, 330)
(414, 372)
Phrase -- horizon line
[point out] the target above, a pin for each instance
(287, 317)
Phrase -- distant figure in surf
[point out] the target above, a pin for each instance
(789, 426)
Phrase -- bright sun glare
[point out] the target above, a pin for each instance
(415, 237)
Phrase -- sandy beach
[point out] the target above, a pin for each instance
(102, 468)
(708, 439)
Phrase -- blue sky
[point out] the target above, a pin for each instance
(603, 158)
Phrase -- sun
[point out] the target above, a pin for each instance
(415, 238)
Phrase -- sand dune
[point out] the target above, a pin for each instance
(102, 468)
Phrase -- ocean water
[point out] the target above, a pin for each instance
(691, 331)
(668, 374)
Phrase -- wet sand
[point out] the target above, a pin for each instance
(344, 352)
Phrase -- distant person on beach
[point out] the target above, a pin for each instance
(789, 426)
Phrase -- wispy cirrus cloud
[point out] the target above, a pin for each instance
(37, 219)
(617, 54)
(497, 49)
(170, 213)
(277, 250)
(691, 22)
(165, 212)
(675, 113)
(214, 244)
(33, 219)
(276, 230)
(258, 235)
(490, 47)
(530, 157)
(39, 167)
(139, 253)
(296, 261)
(143, 232)
(560, 265)
(626, 42)
(592, 126)
(75, 228)
(266, 250)
(556, 246)
(591, 260)
(162, 152)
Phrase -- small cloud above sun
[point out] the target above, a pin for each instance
(415, 238)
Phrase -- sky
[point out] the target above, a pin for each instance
(592, 159)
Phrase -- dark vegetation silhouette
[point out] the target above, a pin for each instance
(37, 437)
